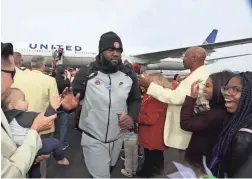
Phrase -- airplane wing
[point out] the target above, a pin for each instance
(214, 60)
(178, 53)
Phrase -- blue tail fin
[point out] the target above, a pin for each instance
(211, 37)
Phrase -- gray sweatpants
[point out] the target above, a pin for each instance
(100, 156)
(131, 157)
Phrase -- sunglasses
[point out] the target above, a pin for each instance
(12, 72)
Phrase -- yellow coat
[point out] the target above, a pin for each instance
(16, 161)
(174, 136)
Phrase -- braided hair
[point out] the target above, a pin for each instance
(241, 118)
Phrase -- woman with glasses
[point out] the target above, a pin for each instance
(207, 124)
(232, 154)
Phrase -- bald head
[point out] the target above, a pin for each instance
(199, 52)
(194, 58)
(17, 59)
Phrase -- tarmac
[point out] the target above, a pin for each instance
(77, 168)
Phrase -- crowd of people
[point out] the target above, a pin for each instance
(200, 115)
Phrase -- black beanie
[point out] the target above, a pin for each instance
(110, 40)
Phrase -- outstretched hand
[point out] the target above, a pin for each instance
(55, 102)
(69, 101)
(144, 81)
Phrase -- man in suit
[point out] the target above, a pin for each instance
(174, 136)
(16, 161)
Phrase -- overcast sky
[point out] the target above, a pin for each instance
(143, 25)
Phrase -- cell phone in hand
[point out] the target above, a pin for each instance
(50, 111)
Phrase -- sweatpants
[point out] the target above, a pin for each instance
(131, 157)
(99, 157)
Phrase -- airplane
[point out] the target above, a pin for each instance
(74, 56)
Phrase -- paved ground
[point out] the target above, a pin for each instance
(77, 168)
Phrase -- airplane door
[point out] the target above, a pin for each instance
(58, 55)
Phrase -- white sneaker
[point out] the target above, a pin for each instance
(123, 158)
(125, 173)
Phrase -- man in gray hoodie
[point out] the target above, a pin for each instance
(106, 87)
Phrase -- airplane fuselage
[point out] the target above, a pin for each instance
(75, 57)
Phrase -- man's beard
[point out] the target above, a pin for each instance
(111, 64)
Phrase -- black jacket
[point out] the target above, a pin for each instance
(62, 83)
(238, 163)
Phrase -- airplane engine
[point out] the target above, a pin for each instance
(167, 65)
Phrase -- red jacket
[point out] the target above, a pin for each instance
(151, 121)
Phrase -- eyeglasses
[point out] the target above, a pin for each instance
(231, 90)
(12, 72)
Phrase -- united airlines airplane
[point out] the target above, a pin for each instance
(75, 56)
